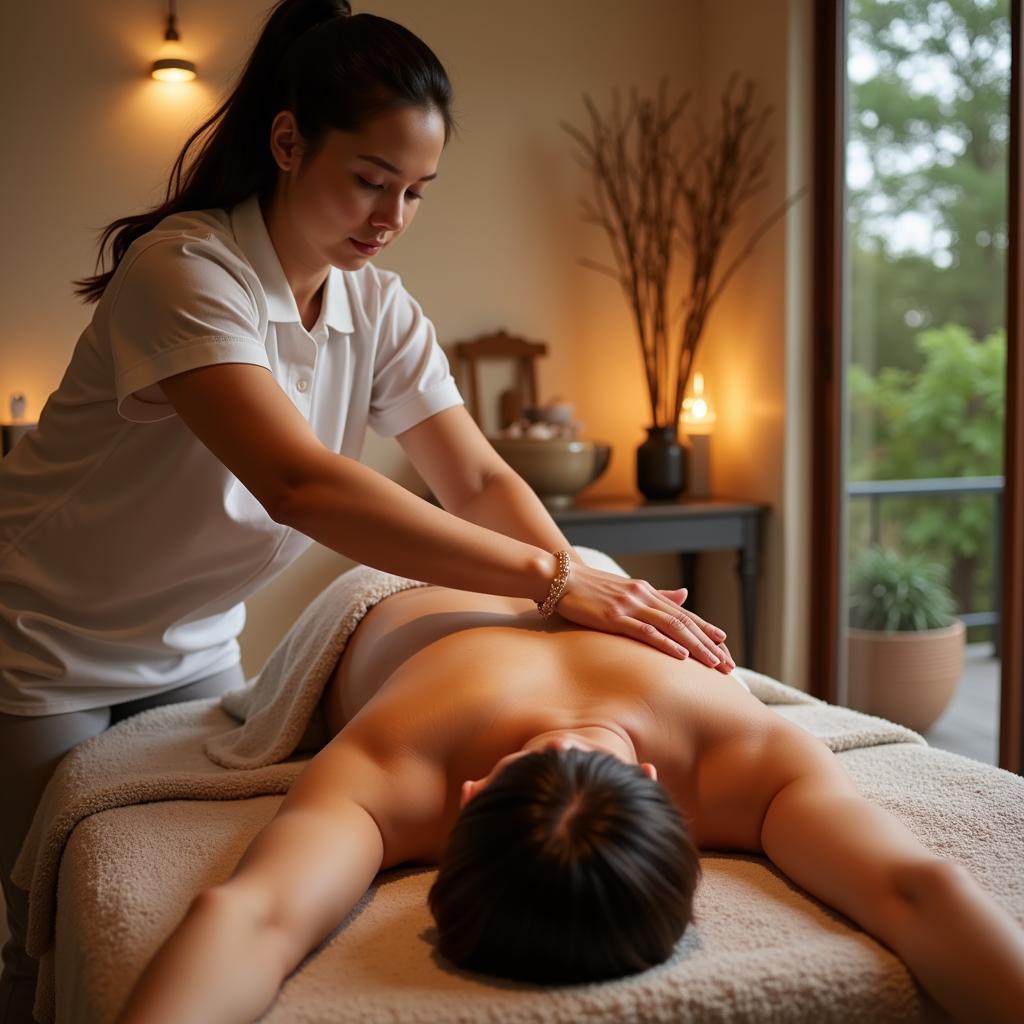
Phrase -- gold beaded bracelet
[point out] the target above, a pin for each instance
(547, 609)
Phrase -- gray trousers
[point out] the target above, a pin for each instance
(30, 749)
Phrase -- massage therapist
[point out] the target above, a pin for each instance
(209, 425)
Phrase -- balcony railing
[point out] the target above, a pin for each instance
(876, 490)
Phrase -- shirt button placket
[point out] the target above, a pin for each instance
(303, 397)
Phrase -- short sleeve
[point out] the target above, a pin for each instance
(411, 377)
(180, 303)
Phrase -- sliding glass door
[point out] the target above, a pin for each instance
(927, 132)
(917, 246)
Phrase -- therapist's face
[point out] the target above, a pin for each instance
(342, 201)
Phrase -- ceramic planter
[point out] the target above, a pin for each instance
(908, 678)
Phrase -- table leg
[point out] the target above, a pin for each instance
(748, 567)
(688, 570)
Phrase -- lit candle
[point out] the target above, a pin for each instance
(17, 407)
(698, 416)
(697, 421)
(11, 433)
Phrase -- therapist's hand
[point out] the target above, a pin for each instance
(678, 597)
(634, 608)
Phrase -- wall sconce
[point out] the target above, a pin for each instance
(697, 421)
(171, 64)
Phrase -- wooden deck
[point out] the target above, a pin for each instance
(970, 725)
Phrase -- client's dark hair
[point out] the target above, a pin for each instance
(570, 866)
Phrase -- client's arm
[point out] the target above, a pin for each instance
(961, 946)
(296, 882)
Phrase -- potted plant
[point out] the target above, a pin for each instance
(905, 646)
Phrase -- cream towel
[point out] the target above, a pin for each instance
(760, 951)
(278, 708)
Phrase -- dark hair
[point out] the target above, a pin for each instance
(570, 866)
(331, 68)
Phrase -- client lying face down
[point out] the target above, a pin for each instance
(568, 866)
(563, 779)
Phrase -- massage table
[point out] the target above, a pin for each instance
(140, 819)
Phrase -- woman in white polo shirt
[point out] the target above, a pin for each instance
(209, 424)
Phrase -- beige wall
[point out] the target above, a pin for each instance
(757, 344)
(89, 137)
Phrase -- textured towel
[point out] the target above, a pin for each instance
(278, 708)
(760, 951)
(122, 889)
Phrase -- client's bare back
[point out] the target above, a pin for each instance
(467, 678)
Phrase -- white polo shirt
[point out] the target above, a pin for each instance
(126, 548)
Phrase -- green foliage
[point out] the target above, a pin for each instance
(890, 592)
(929, 116)
(944, 421)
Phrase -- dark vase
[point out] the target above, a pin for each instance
(661, 465)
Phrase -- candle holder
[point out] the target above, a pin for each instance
(697, 422)
(698, 483)
(11, 433)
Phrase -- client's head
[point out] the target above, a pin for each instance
(565, 865)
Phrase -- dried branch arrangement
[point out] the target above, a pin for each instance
(655, 196)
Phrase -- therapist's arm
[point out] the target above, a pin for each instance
(239, 412)
(473, 482)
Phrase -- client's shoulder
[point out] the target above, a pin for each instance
(746, 758)
(402, 787)
(768, 751)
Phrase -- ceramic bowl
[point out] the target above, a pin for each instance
(557, 469)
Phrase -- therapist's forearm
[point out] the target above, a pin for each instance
(363, 515)
(507, 504)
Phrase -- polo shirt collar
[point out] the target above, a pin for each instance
(337, 313)
(252, 237)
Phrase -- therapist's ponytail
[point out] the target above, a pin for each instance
(331, 68)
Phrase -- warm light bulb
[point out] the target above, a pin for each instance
(171, 64)
(698, 416)
(168, 72)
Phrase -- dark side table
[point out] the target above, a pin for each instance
(631, 525)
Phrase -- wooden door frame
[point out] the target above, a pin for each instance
(827, 512)
(827, 500)
(1011, 703)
